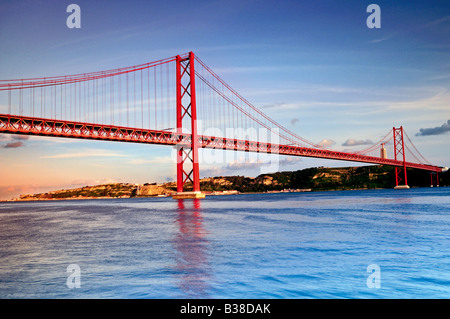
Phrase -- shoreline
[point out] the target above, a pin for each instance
(206, 193)
(305, 180)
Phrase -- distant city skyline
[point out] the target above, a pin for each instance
(313, 66)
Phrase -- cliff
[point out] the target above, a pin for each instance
(150, 190)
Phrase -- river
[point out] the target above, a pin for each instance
(341, 244)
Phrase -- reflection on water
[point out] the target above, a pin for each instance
(191, 245)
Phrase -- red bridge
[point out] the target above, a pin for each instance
(164, 102)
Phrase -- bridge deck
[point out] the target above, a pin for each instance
(69, 129)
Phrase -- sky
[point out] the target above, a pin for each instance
(313, 66)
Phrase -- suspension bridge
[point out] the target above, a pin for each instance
(164, 102)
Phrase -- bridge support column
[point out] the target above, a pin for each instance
(187, 151)
(401, 180)
(434, 175)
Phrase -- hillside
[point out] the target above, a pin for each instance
(319, 179)
(315, 179)
(113, 190)
(116, 190)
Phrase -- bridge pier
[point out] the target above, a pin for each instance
(432, 174)
(188, 195)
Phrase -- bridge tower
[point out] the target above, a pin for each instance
(401, 180)
(186, 107)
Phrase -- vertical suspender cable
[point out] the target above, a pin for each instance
(41, 101)
(75, 98)
(21, 100)
(127, 104)
(161, 96)
(142, 103)
(167, 95)
(9, 98)
(134, 92)
(119, 102)
(55, 101)
(111, 90)
(156, 103)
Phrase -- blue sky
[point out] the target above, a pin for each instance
(313, 66)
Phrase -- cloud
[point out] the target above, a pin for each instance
(12, 191)
(14, 141)
(253, 166)
(245, 164)
(294, 121)
(353, 142)
(15, 137)
(276, 105)
(386, 37)
(13, 145)
(233, 168)
(290, 160)
(20, 137)
(90, 153)
(53, 140)
(156, 160)
(253, 163)
(438, 130)
(436, 22)
(326, 143)
(84, 182)
(431, 24)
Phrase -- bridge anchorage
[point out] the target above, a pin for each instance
(167, 99)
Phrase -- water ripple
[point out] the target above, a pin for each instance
(300, 245)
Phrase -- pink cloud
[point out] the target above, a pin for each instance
(13, 145)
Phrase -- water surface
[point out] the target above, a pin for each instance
(295, 245)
